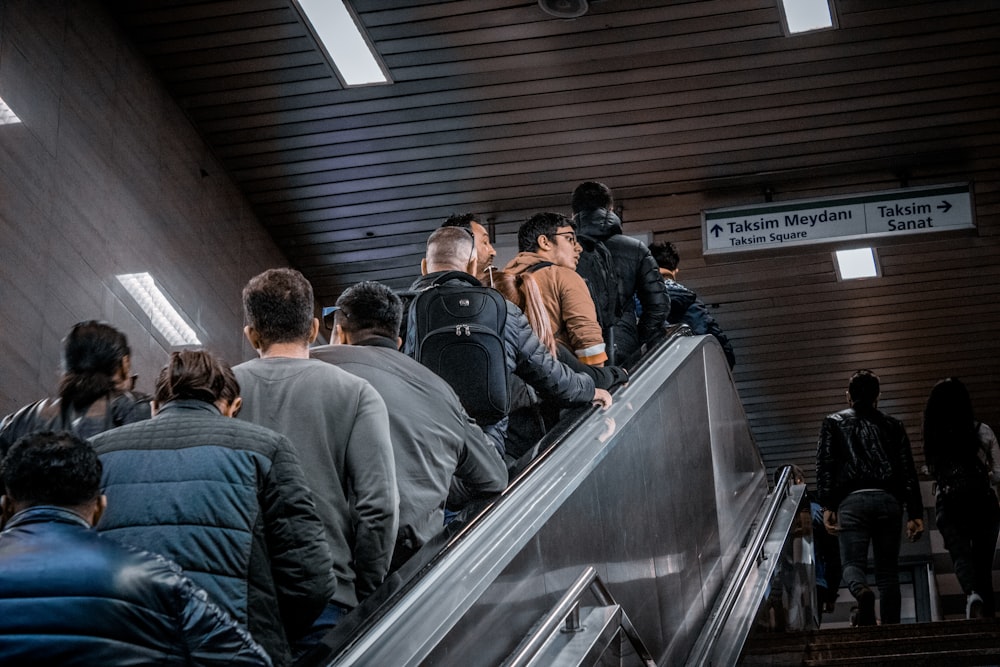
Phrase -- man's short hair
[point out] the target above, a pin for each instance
(463, 220)
(450, 245)
(540, 224)
(194, 375)
(665, 255)
(51, 468)
(591, 195)
(279, 305)
(864, 388)
(370, 307)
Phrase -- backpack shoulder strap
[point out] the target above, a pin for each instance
(540, 265)
(456, 275)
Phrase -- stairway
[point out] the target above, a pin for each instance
(941, 644)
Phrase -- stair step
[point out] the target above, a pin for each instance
(975, 642)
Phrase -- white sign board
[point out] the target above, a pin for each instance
(806, 221)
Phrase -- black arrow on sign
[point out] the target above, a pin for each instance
(945, 206)
(715, 230)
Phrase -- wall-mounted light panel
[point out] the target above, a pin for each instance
(162, 314)
(339, 32)
(7, 116)
(856, 263)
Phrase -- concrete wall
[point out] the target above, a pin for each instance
(104, 175)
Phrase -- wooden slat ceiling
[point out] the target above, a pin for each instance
(501, 109)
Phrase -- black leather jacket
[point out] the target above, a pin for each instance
(71, 597)
(638, 274)
(866, 449)
(106, 413)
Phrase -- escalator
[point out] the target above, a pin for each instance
(642, 535)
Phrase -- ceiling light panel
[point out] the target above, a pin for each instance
(806, 15)
(339, 32)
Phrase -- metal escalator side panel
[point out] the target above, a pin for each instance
(634, 491)
(722, 638)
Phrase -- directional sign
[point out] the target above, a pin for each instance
(806, 221)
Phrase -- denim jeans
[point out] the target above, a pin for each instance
(872, 517)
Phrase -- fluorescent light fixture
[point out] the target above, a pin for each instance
(7, 116)
(161, 313)
(339, 32)
(856, 263)
(806, 15)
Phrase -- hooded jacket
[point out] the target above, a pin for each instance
(638, 274)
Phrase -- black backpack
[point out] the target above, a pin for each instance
(597, 268)
(459, 334)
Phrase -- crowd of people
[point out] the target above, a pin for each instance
(237, 513)
(868, 499)
(868, 485)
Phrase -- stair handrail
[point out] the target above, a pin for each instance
(568, 606)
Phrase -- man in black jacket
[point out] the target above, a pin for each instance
(71, 596)
(225, 499)
(636, 271)
(865, 476)
(450, 260)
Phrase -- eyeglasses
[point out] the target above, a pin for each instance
(570, 235)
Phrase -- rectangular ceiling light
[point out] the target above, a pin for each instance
(161, 312)
(6, 115)
(856, 263)
(339, 32)
(806, 15)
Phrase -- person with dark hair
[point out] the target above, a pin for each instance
(71, 596)
(95, 392)
(485, 253)
(225, 499)
(865, 477)
(450, 261)
(338, 425)
(542, 277)
(597, 227)
(548, 250)
(962, 456)
(685, 306)
(443, 459)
